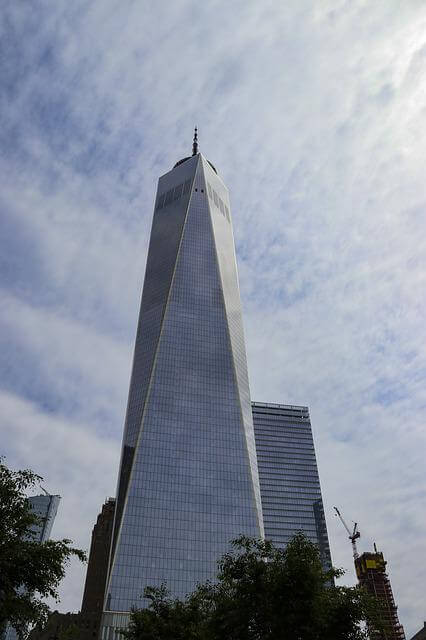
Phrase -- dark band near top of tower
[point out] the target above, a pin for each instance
(175, 193)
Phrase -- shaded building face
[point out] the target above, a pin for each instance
(288, 473)
(188, 479)
(97, 567)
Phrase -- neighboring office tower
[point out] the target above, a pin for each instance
(97, 572)
(371, 571)
(188, 480)
(45, 507)
(288, 473)
(86, 623)
(97, 566)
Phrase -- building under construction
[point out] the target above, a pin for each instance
(371, 572)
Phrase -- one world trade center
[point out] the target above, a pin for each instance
(188, 480)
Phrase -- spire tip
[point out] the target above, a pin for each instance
(195, 142)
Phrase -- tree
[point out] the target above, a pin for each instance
(262, 593)
(29, 570)
(170, 619)
(71, 633)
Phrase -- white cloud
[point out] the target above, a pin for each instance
(75, 463)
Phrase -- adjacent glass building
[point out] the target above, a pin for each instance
(288, 473)
(45, 507)
(188, 479)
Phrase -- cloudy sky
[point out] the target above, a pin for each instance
(314, 114)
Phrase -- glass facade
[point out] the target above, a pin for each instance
(288, 474)
(188, 480)
(45, 507)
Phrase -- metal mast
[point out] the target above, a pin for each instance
(195, 143)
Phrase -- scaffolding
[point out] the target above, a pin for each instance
(371, 572)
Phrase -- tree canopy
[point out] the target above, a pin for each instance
(262, 593)
(29, 570)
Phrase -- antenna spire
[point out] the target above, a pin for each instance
(195, 142)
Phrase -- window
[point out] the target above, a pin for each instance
(177, 192)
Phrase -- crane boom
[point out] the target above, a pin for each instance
(352, 536)
(343, 522)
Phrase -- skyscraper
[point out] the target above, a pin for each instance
(288, 473)
(188, 480)
(45, 507)
(85, 624)
(97, 570)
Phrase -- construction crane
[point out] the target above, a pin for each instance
(352, 536)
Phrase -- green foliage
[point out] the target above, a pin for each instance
(29, 570)
(262, 593)
(71, 633)
(167, 618)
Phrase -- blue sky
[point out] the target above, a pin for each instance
(314, 115)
